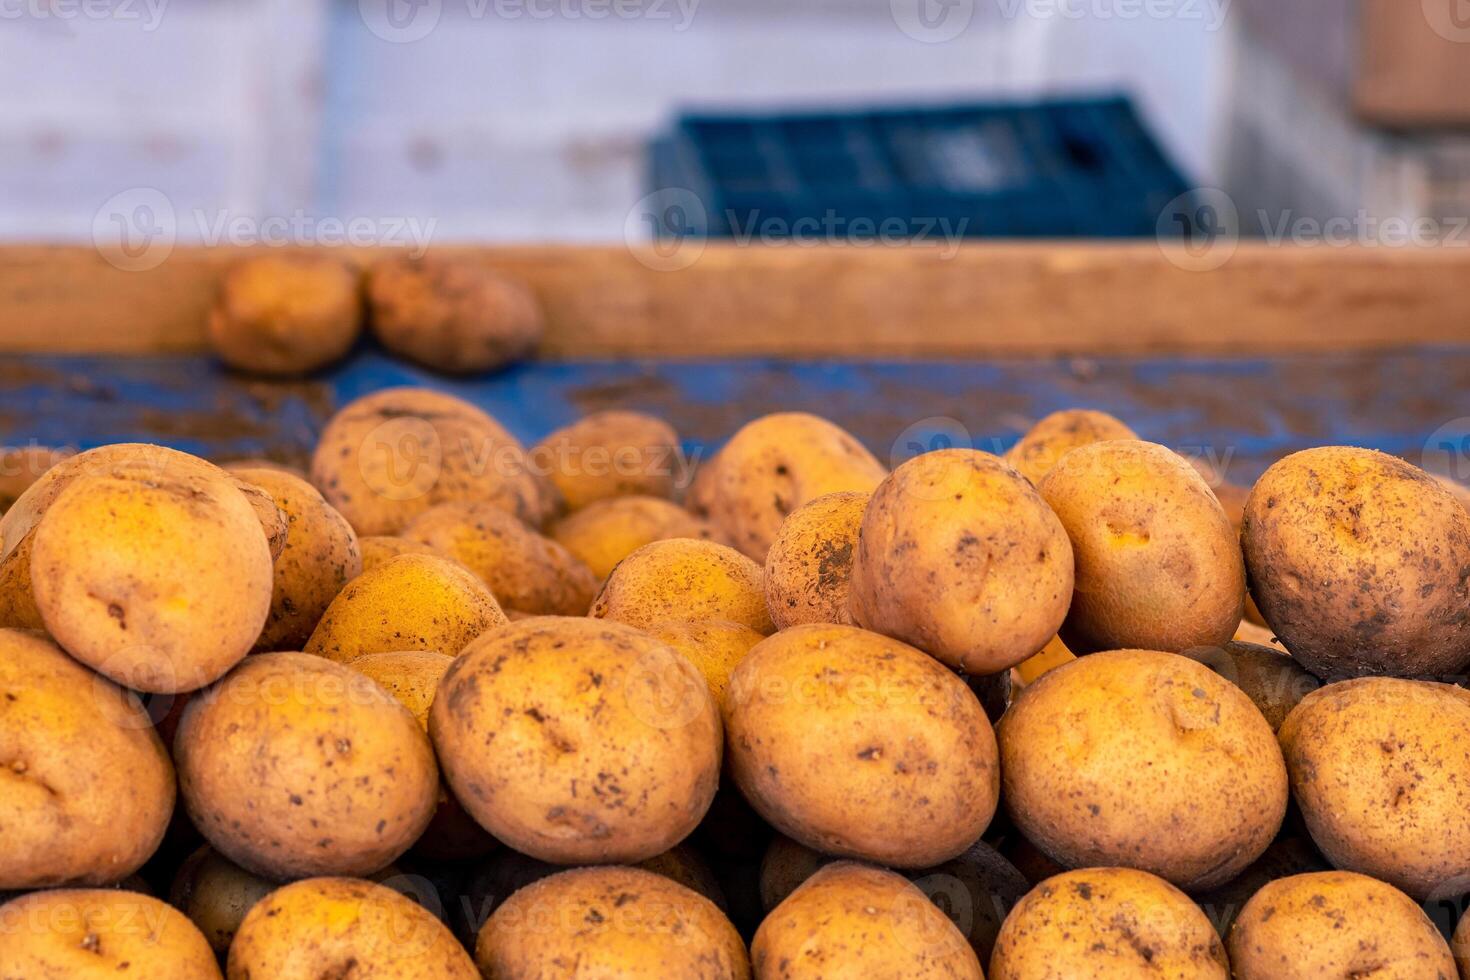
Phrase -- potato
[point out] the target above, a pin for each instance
(1107, 923)
(157, 577)
(23, 465)
(525, 571)
(412, 602)
(1460, 946)
(1158, 566)
(1381, 770)
(1261, 636)
(378, 548)
(1458, 490)
(961, 557)
(1273, 681)
(810, 562)
(389, 456)
(1289, 854)
(612, 454)
(345, 928)
(1046, 442)
(86, 787)
(852, 921)
(294, 766)
(90, 934)
(1359, 563)
(321, 555)
(452, 314)
(1145, 760)
(216, 893)
(785, 865)
(609, 922)
(286, 313)
(685, 579)
(776, 464)
(607, 531)
(1335, 924)
(715, 646)
(860, 746)
(577, 741)
(1053, 655)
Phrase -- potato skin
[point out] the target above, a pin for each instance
(1046, 442)
(285, 314)
(86, 934)
(685, 579)
(1273, 681)
(294, 766)
(1143, 759)
(1381, 770)
(412, 602)
(389, 456)
(607, 531)
(525, 571)
(1460, 946)
(577, 741)
(378, 548)
(775, 464)
(216, 894)
(1157, 564)
(610, 922)
(849, 921)
(88, 788)
(961, 557)
(610, 454)
(1359, 562)
(344, 927)
(715, 646)
(810, 563)
(861, 746)
(1107, 923)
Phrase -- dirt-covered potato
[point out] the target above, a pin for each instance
(1380, 768)
(1046, 442)
(861, 746)
(216, 894)
(1359, 562)
(685, 579)
(715, 646)
(294, 766)
(1158, 566)
(320, 556)
(611, 454)
(1291, 853)
(961, 557)
(378, 548)
(389, 456)
(851, 921)
(1273, 681)
(90, 934)
(1336, 924)
(286, 313)
(810, 562)
(158, 577)
(607, 531)
(452, 314)
(86, 787)
(578, 741)
(525, 571)
(1108, 924)
(412, 602)
(1146, 760)
(609, 922)
(774, 465)
(1460, 946)
(331, 928)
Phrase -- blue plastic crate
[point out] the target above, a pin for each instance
(1062, 167)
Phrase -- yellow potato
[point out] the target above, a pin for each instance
(1108, 924)
(1272, 680)
(1046, 442)
(91, 934)
(215, 893)
(1143, 759)
(1158, 566)
(858, 745)
(810, 563)
(607, 531)
(412, 602)
(294, 766)
(609, 922)
(86, 787)
(524, 570)
(715, 646)
(961, 557)
(345, 928)
(685, 579)
(577, 741)
(1460, 945)
(611, 454)
(379, 548)
(1053, 655)
(286, 313)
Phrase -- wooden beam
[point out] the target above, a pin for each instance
(985, 299)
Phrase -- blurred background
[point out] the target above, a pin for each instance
(536, 120)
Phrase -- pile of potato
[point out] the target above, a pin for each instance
(452, 706)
